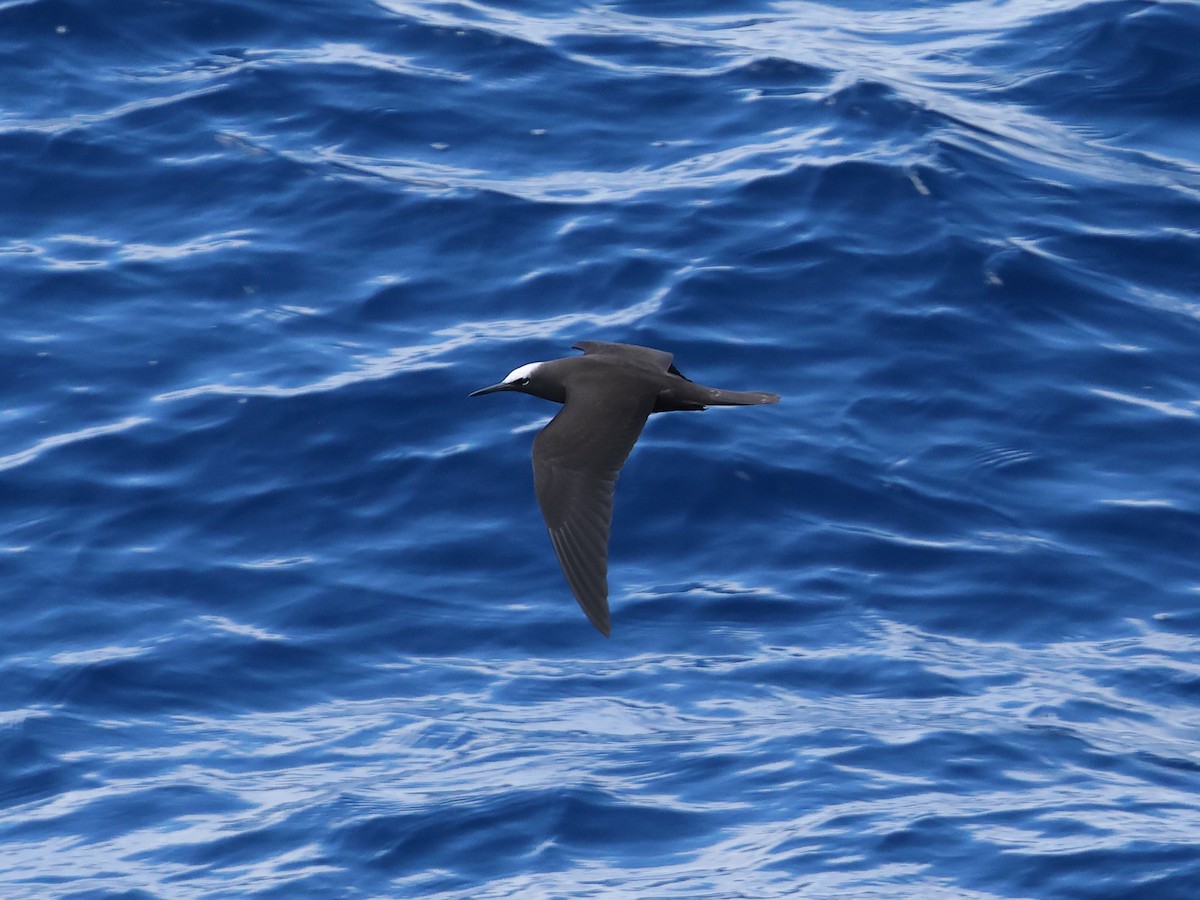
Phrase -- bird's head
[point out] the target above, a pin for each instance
(527, 379)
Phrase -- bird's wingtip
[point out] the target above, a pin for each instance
(602, 623)
(600, 618)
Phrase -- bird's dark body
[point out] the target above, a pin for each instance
(607, 395)
(672, 392)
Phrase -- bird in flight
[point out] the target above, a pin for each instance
(607, 394)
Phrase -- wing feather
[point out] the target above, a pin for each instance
(659, 360)
(576, 460)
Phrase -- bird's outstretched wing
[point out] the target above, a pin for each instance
(647, 356)
(576, 459)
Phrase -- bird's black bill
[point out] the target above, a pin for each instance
(490, 390)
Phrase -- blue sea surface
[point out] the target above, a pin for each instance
(279, 616)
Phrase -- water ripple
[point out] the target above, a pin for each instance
(280, 612)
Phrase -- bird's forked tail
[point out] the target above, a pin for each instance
(719, 397)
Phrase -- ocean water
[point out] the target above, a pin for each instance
(279, 614)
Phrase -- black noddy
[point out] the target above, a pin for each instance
(607, 394)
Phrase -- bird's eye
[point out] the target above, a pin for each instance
(523, 381)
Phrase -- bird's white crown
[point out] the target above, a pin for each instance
(525, 371)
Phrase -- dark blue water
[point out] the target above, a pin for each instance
(279, 614)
